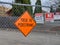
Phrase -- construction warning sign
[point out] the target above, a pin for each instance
(25, 23)
(49, 17)
(39, 18)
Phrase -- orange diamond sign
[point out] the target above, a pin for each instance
(25, 23)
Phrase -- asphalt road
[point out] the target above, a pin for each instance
(34, 38)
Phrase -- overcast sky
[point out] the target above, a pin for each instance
(43, 2)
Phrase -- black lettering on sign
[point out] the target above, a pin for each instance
(24, 20)
(25, 24)
(20, 24)
(30, 20)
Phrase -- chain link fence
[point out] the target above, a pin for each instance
(9, 15)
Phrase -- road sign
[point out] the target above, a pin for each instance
(57, 16)
(39, 18)
(49, 17)
(25, 23)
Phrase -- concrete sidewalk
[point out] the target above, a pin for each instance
(34, 38)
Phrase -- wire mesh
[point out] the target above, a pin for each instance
(9, 15)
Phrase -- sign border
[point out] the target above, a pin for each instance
(19, 18)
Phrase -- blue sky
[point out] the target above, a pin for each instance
(43, 2)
